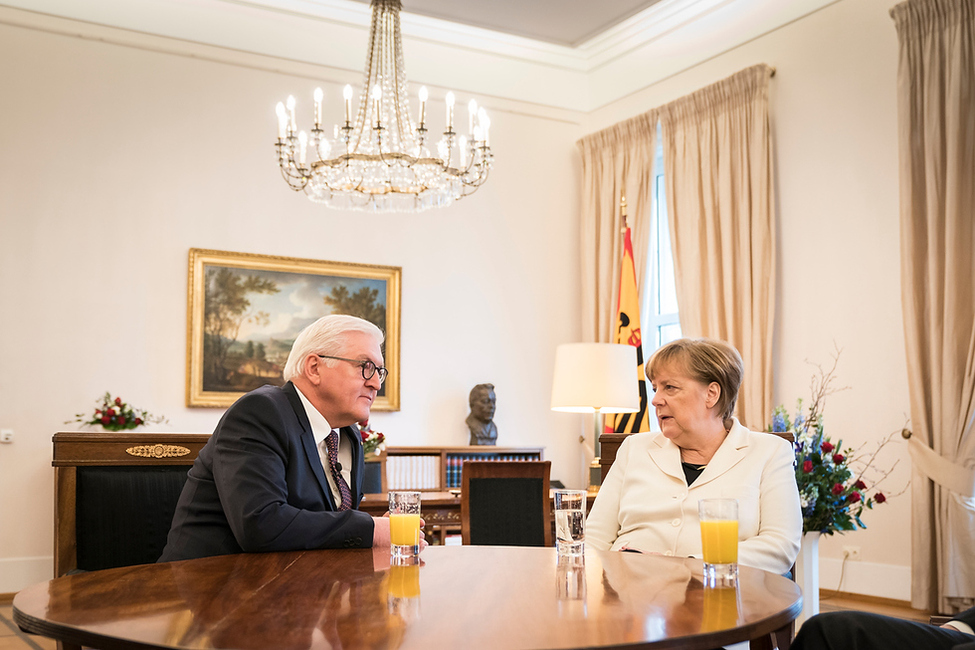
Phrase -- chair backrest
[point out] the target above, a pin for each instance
(506, 503)
(785, 435)
(115, 495)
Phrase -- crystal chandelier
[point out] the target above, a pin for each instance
(381, 162)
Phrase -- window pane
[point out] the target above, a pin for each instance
(665, 269)
(667, 333)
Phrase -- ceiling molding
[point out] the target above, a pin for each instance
(666, 38)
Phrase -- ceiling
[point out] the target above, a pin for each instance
(575, 55)
(562, 22)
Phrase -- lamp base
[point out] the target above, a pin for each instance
(595, 476)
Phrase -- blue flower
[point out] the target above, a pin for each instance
(779, 422)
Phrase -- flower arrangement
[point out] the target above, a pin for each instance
(833, 486)
(373, 442)
(115, 415)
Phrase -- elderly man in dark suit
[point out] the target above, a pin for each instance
(864, 631)
(283, 469)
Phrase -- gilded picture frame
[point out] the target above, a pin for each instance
(244, 311)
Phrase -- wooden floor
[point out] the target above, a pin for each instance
(12, 638)
(833, 602)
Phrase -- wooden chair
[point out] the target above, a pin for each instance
(115, 495)
(506, 503)
(374, 480)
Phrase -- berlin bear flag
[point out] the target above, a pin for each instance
(628, 333)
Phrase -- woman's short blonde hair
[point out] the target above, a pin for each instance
(706, 361)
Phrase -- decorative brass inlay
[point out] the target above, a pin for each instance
(157, 451)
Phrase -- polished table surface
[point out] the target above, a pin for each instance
(460, 597)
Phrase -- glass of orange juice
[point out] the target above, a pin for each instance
(719, 540)
(404, 526)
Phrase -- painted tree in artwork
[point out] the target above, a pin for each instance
(362, 303)
(225, 309)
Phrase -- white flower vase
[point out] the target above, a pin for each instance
(807, 575)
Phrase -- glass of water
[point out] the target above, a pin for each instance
(570, 522)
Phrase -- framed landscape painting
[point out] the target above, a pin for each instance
(245, 310)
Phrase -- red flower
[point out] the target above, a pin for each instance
(98, 412)
(381, 437)
(826, 447)
(838, 458)
(838, 489)
(807, 466)
(110, 413)
(121, 421)
(106, 419)
(860, 485)
(879, 497)
(118, 401)
(138, 422)
(854, 497)
(364, 435)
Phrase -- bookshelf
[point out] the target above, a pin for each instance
(437, 469)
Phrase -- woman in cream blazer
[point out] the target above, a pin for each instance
(648, 501)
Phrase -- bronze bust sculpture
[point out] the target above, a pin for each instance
(481, 420)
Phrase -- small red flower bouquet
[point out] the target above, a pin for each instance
(115, 415)
(373, 442)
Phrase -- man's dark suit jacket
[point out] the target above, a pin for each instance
(867, 631)
(259, 485)
(967, 617)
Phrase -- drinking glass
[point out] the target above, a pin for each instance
(570, 522)
(404, 526)
(719, 539)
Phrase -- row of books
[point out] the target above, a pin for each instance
(456, 461)
(422, 472)
(413, 472)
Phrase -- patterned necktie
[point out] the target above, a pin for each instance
(332, 445)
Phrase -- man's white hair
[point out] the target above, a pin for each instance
(326, 336)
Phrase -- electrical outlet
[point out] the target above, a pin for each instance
(851, 553)
(6, 435)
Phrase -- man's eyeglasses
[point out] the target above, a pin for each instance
(368, 367)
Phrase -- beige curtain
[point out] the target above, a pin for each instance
(936, 106)
(615, 161)
(718, 170)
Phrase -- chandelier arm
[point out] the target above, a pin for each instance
(293, 181)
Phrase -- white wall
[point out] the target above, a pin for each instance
(116, 160)
(834, 117)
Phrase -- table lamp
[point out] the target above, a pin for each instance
(595, 378)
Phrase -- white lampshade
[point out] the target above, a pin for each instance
(591, 376)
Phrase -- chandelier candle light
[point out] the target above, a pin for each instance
(381, 161)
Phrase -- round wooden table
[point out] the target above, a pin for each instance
(460, 597)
